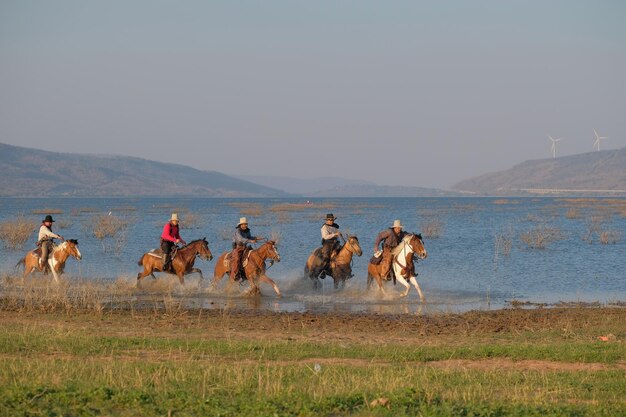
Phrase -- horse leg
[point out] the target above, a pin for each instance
(417, 287)
(264, 278)
(196, 270)
(55, 275)
(379, 281)
(146, 271)
(253, 289)
(402, 281)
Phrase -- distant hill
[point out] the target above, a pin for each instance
(31, 172)
(382, 191)
(593, 173)
(343, 187)
(303, 186)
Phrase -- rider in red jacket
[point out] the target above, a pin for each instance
(169, 238)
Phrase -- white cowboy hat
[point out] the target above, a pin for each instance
(397, 223)
(174, 217)
(242, 220)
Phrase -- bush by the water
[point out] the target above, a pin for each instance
(14, 233)
(541, 236)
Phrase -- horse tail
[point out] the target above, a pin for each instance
(21, 262)
(140, 261)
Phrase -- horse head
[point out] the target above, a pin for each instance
(417, 244)
(203, 250)
(272, 251)
(352, 244)
(72, 248)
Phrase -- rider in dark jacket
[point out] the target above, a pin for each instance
(241, 239)
(330, 233)
(390, 238)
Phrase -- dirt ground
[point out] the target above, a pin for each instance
(360, 328)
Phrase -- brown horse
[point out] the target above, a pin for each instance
(56, 260)
(254, 269)
(182, 264)
(402, 264)
(340, 264)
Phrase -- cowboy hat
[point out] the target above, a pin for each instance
(242, 220)
(330, 216)
(397, 223)
(48, 219)
(174, 217)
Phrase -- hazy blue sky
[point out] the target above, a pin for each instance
(398, 92)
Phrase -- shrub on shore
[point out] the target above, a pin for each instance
(15, 232)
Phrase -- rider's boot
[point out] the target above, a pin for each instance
(167, 262)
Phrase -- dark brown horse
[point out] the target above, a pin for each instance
(254, 269)
(402, 264)
(56, 260)
(340, 264)
(182, 264)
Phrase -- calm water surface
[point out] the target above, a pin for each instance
(466, 267)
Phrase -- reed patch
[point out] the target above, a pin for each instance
(15, 232)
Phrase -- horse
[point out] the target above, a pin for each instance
(254, 269)
(182, 263)
(402, 264)
(56, 259)
(340, 264)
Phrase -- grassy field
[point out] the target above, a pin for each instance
(221, 363)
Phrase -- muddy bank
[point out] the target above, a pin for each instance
(585, 322)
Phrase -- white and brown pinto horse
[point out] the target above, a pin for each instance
(56, 259)
(254, 267)
(340, 264)
(402, 264)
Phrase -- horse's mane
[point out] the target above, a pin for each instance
(194, 241)
(405, 241)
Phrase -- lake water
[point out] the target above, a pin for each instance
(469, 265)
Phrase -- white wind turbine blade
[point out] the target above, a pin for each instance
(598, 139)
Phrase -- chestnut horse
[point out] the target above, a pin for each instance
(182, 264)
(255, 268)
(402, 264)
(340, 264)
(56, 259)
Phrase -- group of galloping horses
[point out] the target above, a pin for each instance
(255, 268)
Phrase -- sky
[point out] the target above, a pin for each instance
(398, 92)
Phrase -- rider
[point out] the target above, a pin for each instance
(169, 238)
(391, 238)
(330, 233)
(241, 238)
(46, 238)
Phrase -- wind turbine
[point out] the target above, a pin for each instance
(554, 141)
(598, 139)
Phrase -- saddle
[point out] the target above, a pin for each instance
(158, 252)
(37, 251)
(244, 258)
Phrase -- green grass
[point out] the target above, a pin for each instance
(84, 365)
(35, 342)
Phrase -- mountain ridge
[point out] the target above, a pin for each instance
(598, 172)
(33, 172)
